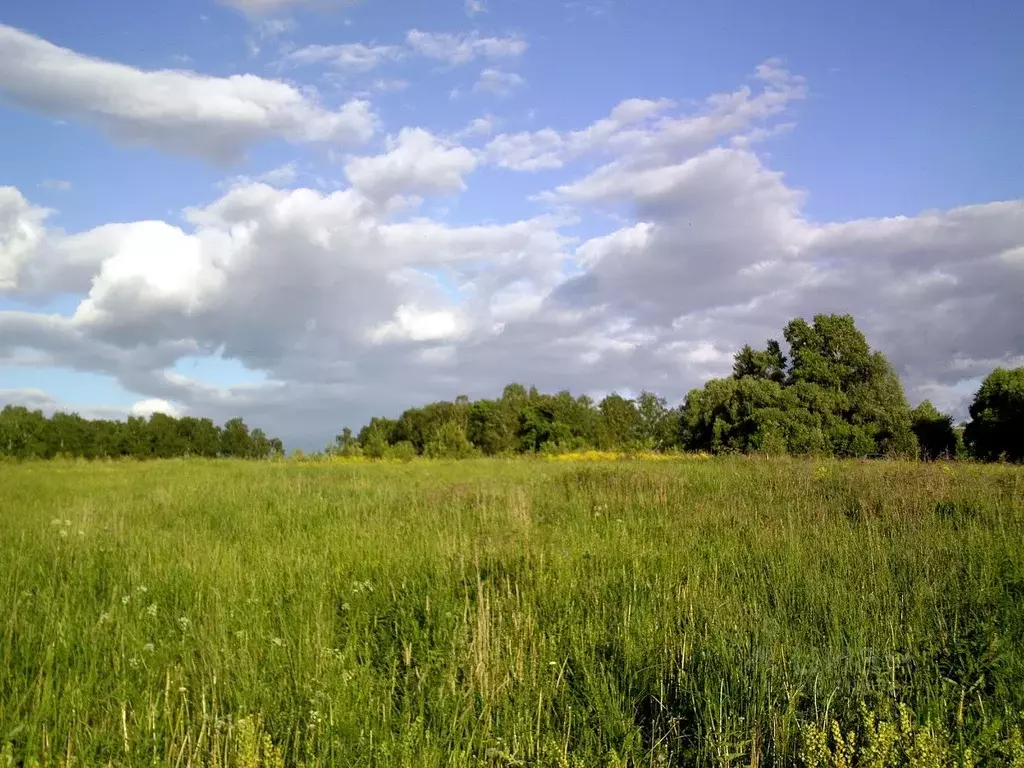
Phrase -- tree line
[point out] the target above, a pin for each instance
(27, 434)
(827, 394)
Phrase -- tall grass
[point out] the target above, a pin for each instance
(726, 612)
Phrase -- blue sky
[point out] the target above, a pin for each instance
(882, 110)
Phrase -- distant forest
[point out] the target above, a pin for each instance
(26, 434)
(829, 394)
(826, 394)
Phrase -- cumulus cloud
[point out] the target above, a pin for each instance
(353, 304)
(178, 111)
(473, 7)
(455, 49)
(638, 132)
(347, 57)
(416, 162)
(153, 405)
(479, 126)
(22, 232)
(498, 82)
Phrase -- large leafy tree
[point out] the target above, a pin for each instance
(620, 425)
(235, 439)
(936, 436)
(832, 395)
(996, 429)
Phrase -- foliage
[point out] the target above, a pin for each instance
(735, 611)
(832, 396)
(26, 434)
(996, 429)
(935, 433)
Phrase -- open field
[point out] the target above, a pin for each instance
(721, 612)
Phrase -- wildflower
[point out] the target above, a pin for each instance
(104, 617)
(133, 662)
(277, 641)
(151, 610)
(149, 647)
(142, 588)
(63, 533)
(125, 599)
(184, 623)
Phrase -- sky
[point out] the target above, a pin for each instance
(308, 212)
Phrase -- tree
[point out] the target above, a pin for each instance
(768, 363)
(833, 395)
(165, 439)
(996, 429)
(448, 441)
(659, 425)
(28, 434)
(259, 444)
(492, 426)
(345, 444)
(235, 439)
(935, 434)
(201, 436)
(620, 425)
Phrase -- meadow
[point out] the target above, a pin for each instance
(726, 612)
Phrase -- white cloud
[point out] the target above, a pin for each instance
(639, 134)
(479, 126)
(462, 48)
(410, 323)
(473, 7)
(22, 232)
(177, 111)
(497, 82)
(57, 185)
(153, 405)
(416, 162)
(352, 305)
(281, 176)
(348, 57)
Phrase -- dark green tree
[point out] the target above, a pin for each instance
(235, 439)
(165, 440)
(996, 429)
(768, 363)
(833, 395)
(936, 437)
(620, 425)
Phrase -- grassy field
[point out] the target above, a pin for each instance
(722, 612)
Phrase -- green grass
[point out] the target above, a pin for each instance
(727, 612)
